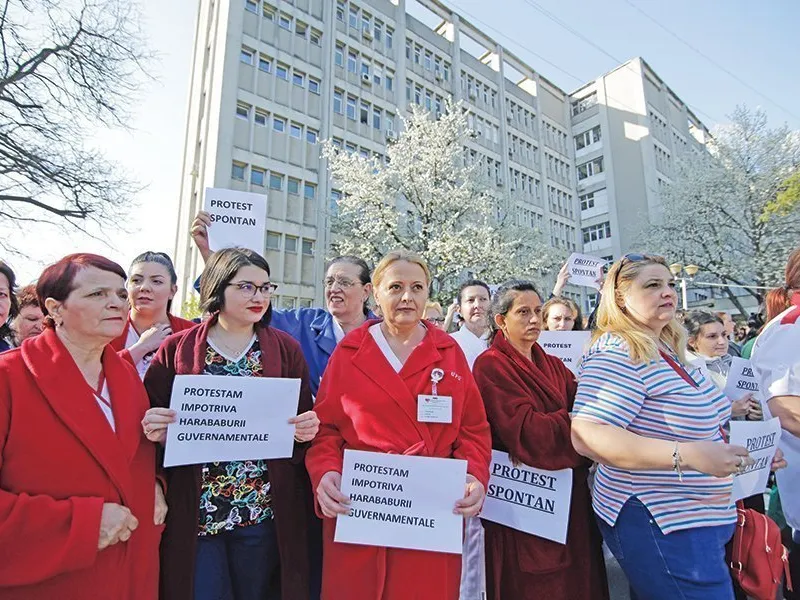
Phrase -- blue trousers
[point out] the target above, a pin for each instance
(241, 564)
(684, 565)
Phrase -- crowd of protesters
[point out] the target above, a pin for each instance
(89, 359)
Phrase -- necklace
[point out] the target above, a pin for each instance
(233, 350)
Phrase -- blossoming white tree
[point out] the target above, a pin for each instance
(427, 198)
(721, 213)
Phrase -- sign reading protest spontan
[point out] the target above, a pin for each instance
(585, 270)
(237, 219)
(223, 418)
(761, 440)
(527, 499)
(569, 346)
(741, 380)
(402, 501)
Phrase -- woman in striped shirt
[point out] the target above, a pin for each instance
(662, 490)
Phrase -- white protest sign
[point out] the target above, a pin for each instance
(741, 380)
(402, 501)
(237, 219)
(223, 418)
(527, 499)
(585, 270)
(761, 440)
(569, 346)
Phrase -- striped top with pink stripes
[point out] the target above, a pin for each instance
(653, 400)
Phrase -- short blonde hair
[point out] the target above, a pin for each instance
(394, 256)
(611, 318)
(433, 305)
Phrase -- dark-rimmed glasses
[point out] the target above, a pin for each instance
(248, 289)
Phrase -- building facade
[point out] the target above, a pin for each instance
(272, 78)
(628, 127)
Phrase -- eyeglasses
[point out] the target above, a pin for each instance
(635, 258)
(248, 289)
(435, 320)
(342, 282)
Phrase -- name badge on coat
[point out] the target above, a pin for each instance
(434, 408)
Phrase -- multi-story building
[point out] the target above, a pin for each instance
(627, 127)
(271, 78)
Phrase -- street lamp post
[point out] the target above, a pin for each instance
(690, 271)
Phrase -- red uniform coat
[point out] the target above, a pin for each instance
(60, 460)
(364, 404)
(176, 324)
(184, 354)
(528, 406)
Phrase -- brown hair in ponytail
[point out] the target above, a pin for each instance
(778, 300)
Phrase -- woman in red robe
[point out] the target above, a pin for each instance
(528, 395)
(368, 401)
(81, 513)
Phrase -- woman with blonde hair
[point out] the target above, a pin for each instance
(368, 401)
(663, 485)
(561, 314)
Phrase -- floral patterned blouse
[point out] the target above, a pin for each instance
(236, 493)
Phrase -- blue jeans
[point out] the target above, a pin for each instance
(241, 564)
(684, 565)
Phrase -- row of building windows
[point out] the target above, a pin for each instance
(557, 169)
(283, 71)
(593, 233)
(590, 168)
(529, 218)
(287, 22)
(663, 159)
(428, 59)
(658, 126)
(481, 127)
(273, 180)
(289, 243)
(522, 151)
(555, 138)
(364, 153)
(474, 89)
(562, 235)
(517, 114)
(371, 72)
(583, 104)
(560, 201)
(360, 19)
(423, 96)
(527, 186)
(587, 138)
(362, 111)
(280, 124)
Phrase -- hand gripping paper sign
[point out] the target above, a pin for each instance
(224, 418)
(402, 501)
(528, 499)
(237, 219)
(585, 270)
(761, 440)
(569, 346)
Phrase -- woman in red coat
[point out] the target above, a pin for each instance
(237, 529)
(368, 401)
(77, 476)
(528, 395)
(152, 284)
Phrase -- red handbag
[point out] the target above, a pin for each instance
(756, 554)
(757, 558)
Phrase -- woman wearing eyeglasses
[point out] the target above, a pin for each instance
(151, 286)
(347, 291)
(662, 488)
(434, 315)
(235, 529)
